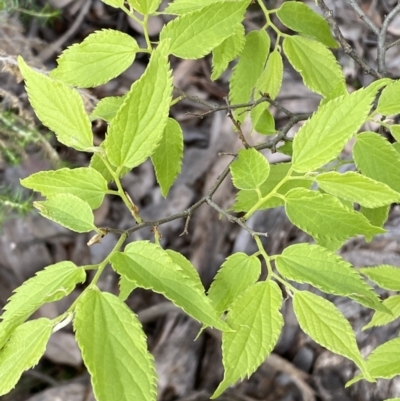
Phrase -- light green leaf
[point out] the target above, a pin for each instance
(107, 108)
(145, 7)
(236, 274)
(135, 132)
(377, 216)
(382, 318)
(250, 170)
(258, 323)
(385, 276)
(97, 163)
(69, 211)
(248, 69)
(114, 3)
(84, 182)
(246, 199)
(23, 351)
(315, 265)
(377, 159)
(324, 135)
(301, 18)
(114, 348)
(125, 288)
(325, 218)
(51, 284)
(195, 34)
(58, 107)
(262, 119)
(389, 103)
(326, 325)
(392, 399)
(395, 131)
(286, 148)
(179, 7)
(167, 158)
(357, 188)
(101, 56)
(270, 80)
(227, 51)
(315, 63)
(152, 268)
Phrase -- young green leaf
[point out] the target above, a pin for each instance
(97, 163)
(395, 131)
(114, 348)
(135, 132)
(325, 218)
(69, 211)
(227, 51)
(324, 135)
(195, 34)
(236, 274)
(152, 268)
(315, 265)
(58, 107)
(326, 325)
(248, 69)
(125, 288)
(23, 351)
(388, 103)
(301, 18)
(357, 188)
(262, 119)
(250, 170)
(377, 216)
(101, 56)
(167, 158)
(179, 7)
(51, 284)
(107, 108)
(145, 7)
(377, 159)
(258, 323)
(315, 63)
(385, 276)
(270, 80)
(84, 182)
(114, 3)
(382, 318)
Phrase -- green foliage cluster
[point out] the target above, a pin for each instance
(329, 206)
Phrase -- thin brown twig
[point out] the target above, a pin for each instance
(237, 124)
(364, 17)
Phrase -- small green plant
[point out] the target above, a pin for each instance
(330, 206)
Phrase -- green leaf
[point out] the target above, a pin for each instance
(114, 348)
(325, 218)
(58, 107)
(51, 284)
(179, 7)
(248, 69)
(167, 158)
(125, 288)
(114, 3)
(388, 103)
(315, 63)
(227, 51)
(270, 80)
(385, 276)
(195, 34)
(326, 325)
(97, 163)
(84, 182)
(324, 135)
(135, 132)
(382, 318)
(145, 7)
(357, 188)
(258, 323)
(246, 199)
(101, 56)
(301, 18)
(262, 119)
(23, 351)
(152, 268)
(395, 131)
(107, 108)
(377, 159)
(250, 170)
(315, 265)
(236, 274)
(377, 216)
(69, 211)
